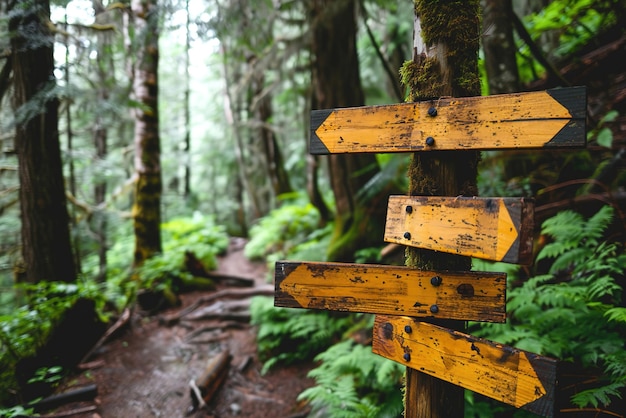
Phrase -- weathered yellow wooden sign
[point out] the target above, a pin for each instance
(543, 119)
(470, 296)
(498, 229)
(515, 377)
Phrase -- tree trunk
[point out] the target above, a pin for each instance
(499, 47)
(337, 84)
(445, 63)
(147, 205)
(263, 113)
(100, 136)
(46, 246)
(187, 110)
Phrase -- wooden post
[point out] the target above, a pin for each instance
(444, 63)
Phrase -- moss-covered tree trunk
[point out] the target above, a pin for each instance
(147, 205)
(46, 245)
(444, 63)
(337, 83)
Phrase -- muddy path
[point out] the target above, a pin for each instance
(145, 370)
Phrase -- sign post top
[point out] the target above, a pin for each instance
(544, 119)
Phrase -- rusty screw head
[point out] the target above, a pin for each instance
(406, 357)
(435, 281)
(432, 111)
(430, 141)
(408, 329)
(407, 235)
(434, 309)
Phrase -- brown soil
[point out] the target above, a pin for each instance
(146, 369)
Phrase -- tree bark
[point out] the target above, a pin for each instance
(337, 84)
(46, 245)
(445, 63)
(147, 204)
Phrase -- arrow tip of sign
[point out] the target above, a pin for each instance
(316, 146)
(574, 99)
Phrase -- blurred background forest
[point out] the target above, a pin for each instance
(169, 126)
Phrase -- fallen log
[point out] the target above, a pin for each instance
(206, 386)
(84, 393)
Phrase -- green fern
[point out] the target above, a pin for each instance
(352, 382)
(574, 311)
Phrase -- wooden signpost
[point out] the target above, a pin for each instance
(515, 377)
(545, 119)
(499, 229)
(394, 290)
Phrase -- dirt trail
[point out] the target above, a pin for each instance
(145, 371)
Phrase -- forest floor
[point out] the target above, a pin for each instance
(145, 370)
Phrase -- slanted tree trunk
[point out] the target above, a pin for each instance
(445, 63)
(147, 204)
(46, 246)
(337, 84)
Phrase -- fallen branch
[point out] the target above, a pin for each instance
(121, 321)
(204, 388)
(266, 290)
(219, 325)
(84, 393)
(71, 412)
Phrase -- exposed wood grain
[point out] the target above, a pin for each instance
(544, 119)
(399, 290)
(515, 377)
(498, 229)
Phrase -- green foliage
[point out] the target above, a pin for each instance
(282, 230)
(576, 22)
(197, 234)
(27, 328)
(573, 312)
(290, 335)
(603, 134)
(353, 382)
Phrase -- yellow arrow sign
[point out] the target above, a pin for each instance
(499, 229)
(515, 377)
(470, 296)
(552, 118)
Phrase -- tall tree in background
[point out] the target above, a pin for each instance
(147, 204)
(46, 247)
(336, 81)
(499, 46)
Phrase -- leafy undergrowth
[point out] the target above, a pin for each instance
(37, 308)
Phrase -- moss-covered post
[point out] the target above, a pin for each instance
(445, 63)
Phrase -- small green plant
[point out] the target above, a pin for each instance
(574, 311)
(17, 411)
(291, 335)
(51, 375)
(353, 382)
